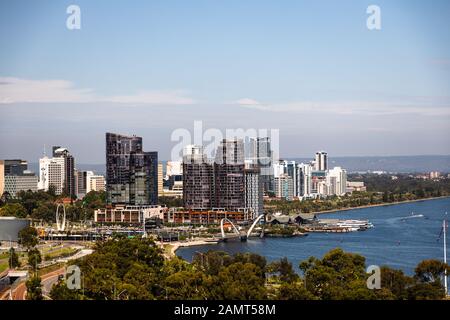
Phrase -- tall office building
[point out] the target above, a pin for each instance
(2, 177)
(131, 173)
(95, 183)
(304, 174)
(337, 180)
(198, 179)
(69, 169)
(15, 167)
(160, 178)
(51, 173)
(254, 190)
(58, 171)
(174, 168)
(260, 153)
(284, 187)
(15, 177)
(229, 179)
(82, 182)
(321, 161)
(279, 168)
(291, 171)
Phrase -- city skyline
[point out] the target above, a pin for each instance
(310, 69)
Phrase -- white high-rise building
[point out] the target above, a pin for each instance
(254, 190)
(174, 168)
(321, 161)
(279, 168)
(95, 183)
(304, 185)
(323, 188)
(51, 173)
(337, 180)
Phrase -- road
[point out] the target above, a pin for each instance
(47, 281)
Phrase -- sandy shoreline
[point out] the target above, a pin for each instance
(174, 246)
(377, 205)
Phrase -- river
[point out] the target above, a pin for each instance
(397, 240)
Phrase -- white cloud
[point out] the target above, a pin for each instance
(16, 90)
(431, 107)
(155, 97)
(251, 103)
(13, 90)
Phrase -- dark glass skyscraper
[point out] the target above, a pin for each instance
(229, 179)
(15, 167)
(198, 179)
(131, 173)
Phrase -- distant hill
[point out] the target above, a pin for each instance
(400, 164)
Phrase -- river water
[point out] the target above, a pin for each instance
(397, 240)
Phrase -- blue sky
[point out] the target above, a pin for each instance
(309, 68)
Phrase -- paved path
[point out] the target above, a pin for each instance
(47, 281)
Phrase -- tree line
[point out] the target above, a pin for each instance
(127, 269)
(41, 205)
(381, 189)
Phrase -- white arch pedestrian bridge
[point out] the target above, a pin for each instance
(236, 233)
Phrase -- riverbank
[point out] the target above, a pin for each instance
(171, 248)
(377, 205)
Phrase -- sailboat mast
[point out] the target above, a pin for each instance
(444, 225)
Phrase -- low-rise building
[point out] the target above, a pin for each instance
(301, 218)
(435, 175)
(10, 227)
(128, 213)
(16, 183)
(205, 217)
(356, 186)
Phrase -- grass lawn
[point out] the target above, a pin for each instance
(3, 265)
(63, 252)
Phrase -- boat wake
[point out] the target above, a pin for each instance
(413, 216)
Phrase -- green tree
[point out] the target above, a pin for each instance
(426, 291)
(284, 270)
(238, 281)
(13, 260)
(123, 268)
(34, 258)
(34, 288)
(45, 210)
(186, 285)
(61, 292)
(338, 276)
(431, 271)
(13, 210)
(28, 237)
(396, 282)
(294, 291)
(211, 262)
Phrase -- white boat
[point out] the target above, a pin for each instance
(355, 225)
